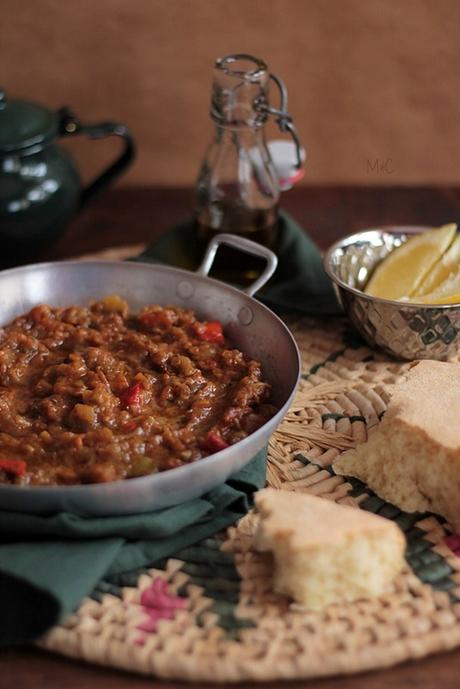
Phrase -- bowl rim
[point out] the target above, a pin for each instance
(394, 230)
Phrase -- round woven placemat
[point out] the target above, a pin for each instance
(210, 612)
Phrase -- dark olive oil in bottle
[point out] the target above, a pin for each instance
(231, 265)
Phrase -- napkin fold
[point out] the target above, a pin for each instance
(48, 564)
(300, 283)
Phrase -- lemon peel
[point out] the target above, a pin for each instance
(448, 292)
(444, 268)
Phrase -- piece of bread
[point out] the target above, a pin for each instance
(324, 552)
(412, 458)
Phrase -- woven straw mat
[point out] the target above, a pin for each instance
(210, 612)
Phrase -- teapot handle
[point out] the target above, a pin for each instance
(70, 125)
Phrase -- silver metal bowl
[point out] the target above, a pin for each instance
(406, 331)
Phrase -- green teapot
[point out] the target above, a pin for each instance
(40, 187)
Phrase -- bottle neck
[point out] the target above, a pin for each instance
(237, 96)
(242, 135)
(240, 118)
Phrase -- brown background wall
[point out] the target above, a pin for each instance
(368, 79)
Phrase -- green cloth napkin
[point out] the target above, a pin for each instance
(48, 564)
(300, 283)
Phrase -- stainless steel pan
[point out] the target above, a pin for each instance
(253, 328)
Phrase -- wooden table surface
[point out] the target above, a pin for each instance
(130, 216)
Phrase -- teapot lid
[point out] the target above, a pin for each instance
(24, 124)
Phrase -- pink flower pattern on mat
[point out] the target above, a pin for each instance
(453, 542)
(158, 604)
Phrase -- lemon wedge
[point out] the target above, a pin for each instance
(401, 273)
(448, 292)
(444, 268)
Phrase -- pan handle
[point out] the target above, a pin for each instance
(249, 247)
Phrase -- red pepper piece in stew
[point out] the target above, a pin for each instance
(213, 442)
(211, 332)
(15, 467)
(131, 395)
